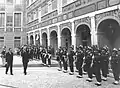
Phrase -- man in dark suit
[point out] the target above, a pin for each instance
(25, 59)
(9, 60)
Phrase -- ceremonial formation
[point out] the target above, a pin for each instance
(95, 61)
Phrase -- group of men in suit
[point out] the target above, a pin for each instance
(9, 59)
(93, 60)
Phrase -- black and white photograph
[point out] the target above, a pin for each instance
(59, 43)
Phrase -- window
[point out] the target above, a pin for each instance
(9, 21)
(2, 1)
(64, 2)
(2, 19)
(44, 10)
(17, 20)
(10, 1)
(54, 4)
(19, 1)
(17, 42)
(27, 2)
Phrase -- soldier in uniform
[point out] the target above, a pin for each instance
(115, 64)
(71, 60)
(104, 63)
(3, 56)
(89, 65)
(97, 66)
(49, 56)
(65, 59)
(79, 61)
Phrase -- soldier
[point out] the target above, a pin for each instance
(59, 58)
(89, 65)
(49, 56)
(97, 66)
(71, 60)
(3, 56)
(9, 60)
(25, 59)
(115, 65)
(104, 63)
(79, 62)
(65, 59)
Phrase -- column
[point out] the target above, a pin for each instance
(34, 38)
(73, 36)
(48, 36)
(59, 8)
(40, 36)
(28, 39)
(59, 37)
(94, 39)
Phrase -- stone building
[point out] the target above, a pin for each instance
(73, 22)
(12, 28)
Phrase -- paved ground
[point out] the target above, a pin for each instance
(45, 77)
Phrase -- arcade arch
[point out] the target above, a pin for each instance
(109, 33)
(83, 36)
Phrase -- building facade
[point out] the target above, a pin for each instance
(73, 22)
(12, 28)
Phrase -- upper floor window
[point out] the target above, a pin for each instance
(17, 20)
(54, 4)
(18, 2)
(10, 1)
(2, 19)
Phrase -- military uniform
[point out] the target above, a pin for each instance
(115, 65)
(71, 60)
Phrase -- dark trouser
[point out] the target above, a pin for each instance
(60, 64)
(97, 72)
(90, 70)
(116, 71)
(49, 61)
(65, 64)
(76, 65)
(104, 68)
(25, 64)
(7, 67)
(80, 63)
(71, 66)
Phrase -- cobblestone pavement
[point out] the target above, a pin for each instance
(47, 77)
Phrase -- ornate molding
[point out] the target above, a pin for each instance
(114, 13)
(53, 28)
(68, 25)
(83, 20)
(44, 30)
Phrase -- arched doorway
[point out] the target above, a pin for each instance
(31, 40)
(83, 36)
(44, 40)
(37, 39)
(109, 33)
(66, 38)
(53, 41)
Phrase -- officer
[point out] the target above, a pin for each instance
(25, 59)
(71, 60)
(65, 59)
(79, 62)
(9, 60)
(115, 65)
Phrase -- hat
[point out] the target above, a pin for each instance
(115, 49)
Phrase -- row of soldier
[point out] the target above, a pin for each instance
(92, 60)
